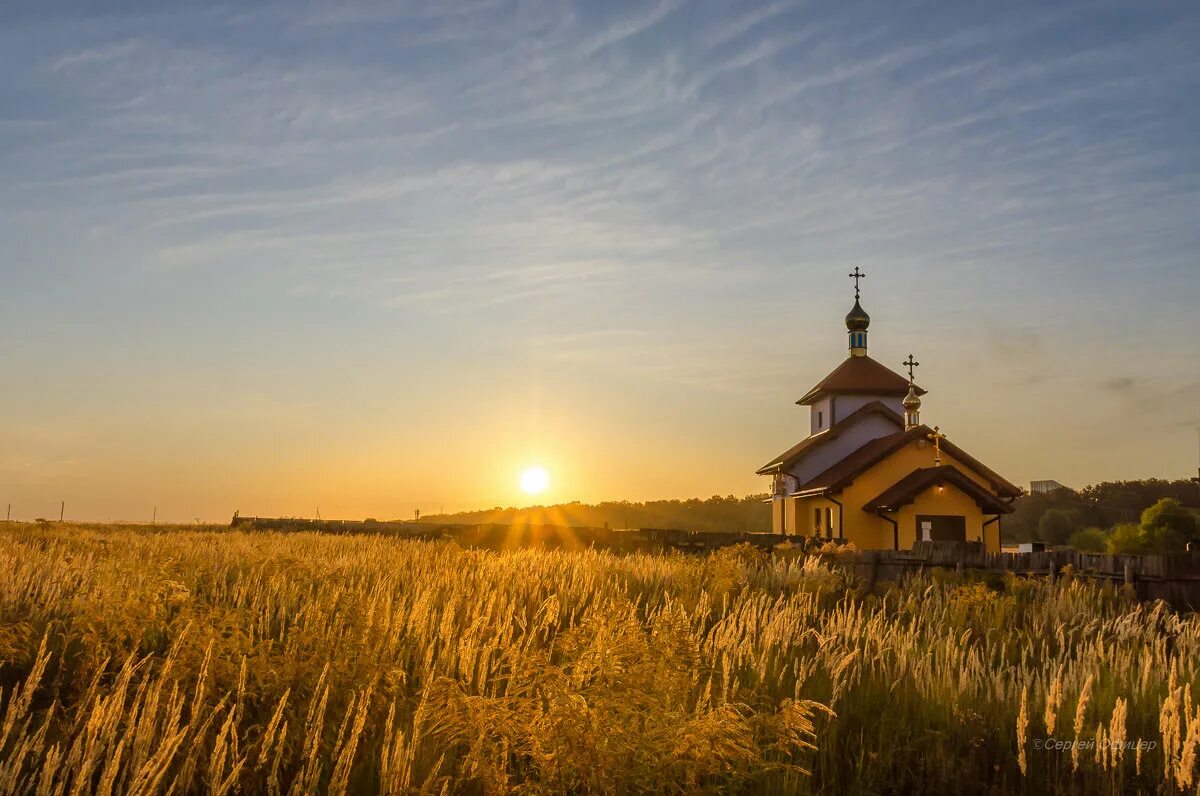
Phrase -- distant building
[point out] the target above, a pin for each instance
(870, 473)
(1042, 487)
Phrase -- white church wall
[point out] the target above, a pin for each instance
(840, 447)
(844, 405)
(821, 416)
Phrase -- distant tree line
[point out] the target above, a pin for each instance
(1149, 516)
(1118, 516)
(750, 513)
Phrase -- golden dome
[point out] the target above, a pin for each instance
(857, 320)
(911, 402)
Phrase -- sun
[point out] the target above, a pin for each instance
(535, 480)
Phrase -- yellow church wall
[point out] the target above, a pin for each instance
(876, 532)
(949, 501)
(915, 455)
(783, 516)
(793, 519)
(869, 531)
(806, 520)
(794, 516)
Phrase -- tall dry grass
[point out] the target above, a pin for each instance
(199, 662)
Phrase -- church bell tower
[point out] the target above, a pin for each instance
(857, 321)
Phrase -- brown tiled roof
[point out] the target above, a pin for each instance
(844, 472)
(907, 488)
(789, 456)
(1002, 486)
(859, 376)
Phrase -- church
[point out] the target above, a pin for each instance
(870, 473)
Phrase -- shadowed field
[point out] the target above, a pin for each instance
(194, 661)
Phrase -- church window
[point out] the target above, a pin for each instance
(817, 519)
(820, 420)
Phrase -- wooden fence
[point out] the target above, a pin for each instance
(1173, 577)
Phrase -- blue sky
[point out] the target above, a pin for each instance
(378, 256)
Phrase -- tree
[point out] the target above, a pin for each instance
(1102, 505)
(1089, 540)
(1056, 526)
(1167, 526)
(717, 513)
(1022, 524)
(1126, 539)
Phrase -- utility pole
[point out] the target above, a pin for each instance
(154, 517)
(1197, 478)
(62, 509)
(8, 514)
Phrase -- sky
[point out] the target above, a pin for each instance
(367, 258)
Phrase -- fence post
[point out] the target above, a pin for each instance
(873, 571)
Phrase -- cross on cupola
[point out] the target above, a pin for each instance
(857, 275)
(912, 401)
(857, 320)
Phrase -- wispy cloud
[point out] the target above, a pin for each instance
(677, 186)
(733, 28)
(632, 25)
(92, 57)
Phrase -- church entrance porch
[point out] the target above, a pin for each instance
(941, 528)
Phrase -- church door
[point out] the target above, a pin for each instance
(941, 528)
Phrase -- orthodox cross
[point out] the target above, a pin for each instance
(857, 275)
(911, 364)
(937, 436)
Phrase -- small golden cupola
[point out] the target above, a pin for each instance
(912, 401)
(857, 320)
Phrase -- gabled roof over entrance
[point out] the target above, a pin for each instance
(844, 472)
(859, 376)
(790, 456)
(907, 489)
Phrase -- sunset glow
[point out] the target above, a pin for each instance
(599, 397)
(535, 480)
(334, 256)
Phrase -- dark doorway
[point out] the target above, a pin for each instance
(941, 528)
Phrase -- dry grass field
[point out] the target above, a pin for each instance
(185, 661)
